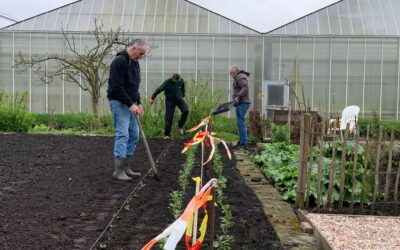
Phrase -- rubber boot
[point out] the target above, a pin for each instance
(119, 173)
(128, 169)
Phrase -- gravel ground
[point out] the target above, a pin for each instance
(358, 232)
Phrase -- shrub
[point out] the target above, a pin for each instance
(13, 117)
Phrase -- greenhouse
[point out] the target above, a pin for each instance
(343, 54)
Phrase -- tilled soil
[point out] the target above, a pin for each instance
(56, 192)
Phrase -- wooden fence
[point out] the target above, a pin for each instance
(363, 183)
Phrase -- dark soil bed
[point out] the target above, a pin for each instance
(56, 192)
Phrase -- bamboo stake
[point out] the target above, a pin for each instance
(364, 177)
(310, 167)
(378, 156)
(332, 172)
(304, 153)
(342, 167)
(320, 162)
(389, 168)
(353, 177)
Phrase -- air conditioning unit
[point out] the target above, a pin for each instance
(276, 95)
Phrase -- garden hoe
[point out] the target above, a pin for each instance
(153, 165)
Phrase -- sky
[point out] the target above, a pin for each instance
(261, 15)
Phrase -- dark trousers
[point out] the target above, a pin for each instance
(170, 105)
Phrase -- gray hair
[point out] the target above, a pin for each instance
(138, 43)
(234, 68)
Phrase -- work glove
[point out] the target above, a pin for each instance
(151, 101)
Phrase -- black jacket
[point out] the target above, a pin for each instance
(124, 81)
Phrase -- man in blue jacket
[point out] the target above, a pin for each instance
(174, 90)
(124, 98)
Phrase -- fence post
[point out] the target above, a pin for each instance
(389, 168)
(342, 167)
(320, 165)
(377, 166)
(364, 177)
(305, 132)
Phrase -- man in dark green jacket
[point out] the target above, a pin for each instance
(174, 90)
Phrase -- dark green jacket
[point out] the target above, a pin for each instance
(172, 90)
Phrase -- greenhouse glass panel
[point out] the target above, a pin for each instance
(127, 18)
(192, 18)
(51, 18)
(203, 21)
(334, 19)
(373, 76)
(289, 67)
(345, 18)
(55, 94)
(356, 72)
(85, 14)
(181, 21)
(171, 16)
(171, 56)
(358, 26)
(222, 80)
(38, 104)
(224, 25)
(323, 22)
(322, 74)
(155, 68)
(368, 20)
(339, 74)
(73, 16)
(159, 25)
(107, 13)
(21, 76)
(305, 69)
(280, 31)
(395, 4)
(302, 26)
(214, 23)
(389, 78)
(39, 22)
(6, 50)
(378, 18)
(254, 65)
(150, 15)
(312, 24)
(291, 28)
(71, 90)
(140, 6)
(390, 20)
(6, 61)
(238, 52)
(21, 84)
(271, 58)
(117, 12)
(205, 50)
(188, 57)
(96, 14)
(62, 18)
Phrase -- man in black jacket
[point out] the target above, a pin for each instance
(124, 98)
(174, 89)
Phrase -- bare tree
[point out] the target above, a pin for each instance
(85, 67)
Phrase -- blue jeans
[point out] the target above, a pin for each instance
(126, 129)
(241, 110)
